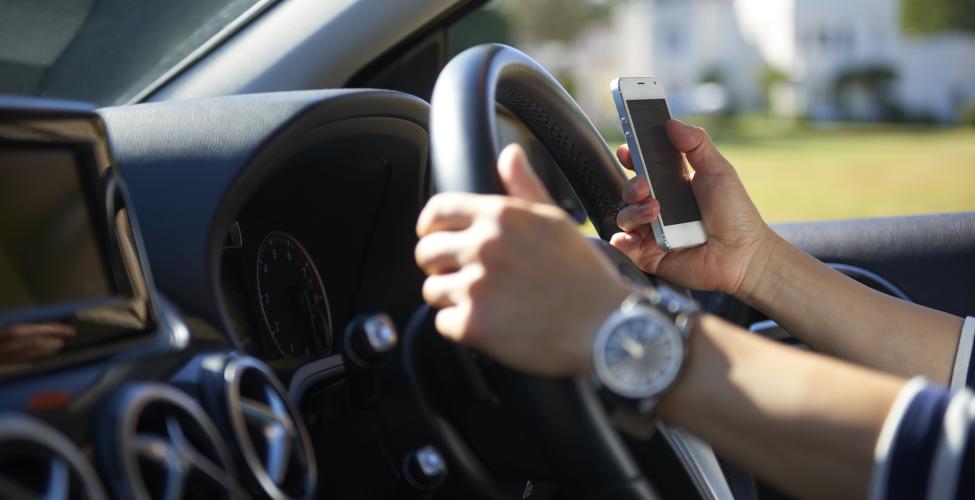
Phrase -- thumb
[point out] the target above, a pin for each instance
(696, 144)
(518, 177)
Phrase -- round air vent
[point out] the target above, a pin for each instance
(274, 449)
(160, 444)
(38, 462)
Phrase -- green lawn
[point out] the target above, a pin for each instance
(843, 171)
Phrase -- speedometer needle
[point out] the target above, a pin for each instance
(310, 313)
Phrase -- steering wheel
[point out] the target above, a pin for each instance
(564, 418)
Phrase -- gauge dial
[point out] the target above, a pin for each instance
(292, 299)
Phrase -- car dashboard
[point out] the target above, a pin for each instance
(265, 229)
(294, 257)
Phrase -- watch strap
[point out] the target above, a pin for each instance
(637, 422)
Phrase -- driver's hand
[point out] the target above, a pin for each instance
(513, 276)
(737, 236)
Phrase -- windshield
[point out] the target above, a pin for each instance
(106, 51)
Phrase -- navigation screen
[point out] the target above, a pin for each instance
(49, 251)
(664, 163)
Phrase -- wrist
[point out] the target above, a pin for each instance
(761, 279)
(601, 309)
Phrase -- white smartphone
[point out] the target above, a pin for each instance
(643, 112)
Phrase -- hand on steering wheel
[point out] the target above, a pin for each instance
(486, 254)
(551, 280)
(737, 235)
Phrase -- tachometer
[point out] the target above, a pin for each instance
(292, 298)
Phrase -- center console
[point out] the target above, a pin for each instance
(105, 391)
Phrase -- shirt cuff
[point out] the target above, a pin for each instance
(961, 374)
(883, 451)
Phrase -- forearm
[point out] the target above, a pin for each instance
(837, 315)
(803, 422)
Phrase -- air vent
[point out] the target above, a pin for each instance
(159, 444)
(274, 449)
(37, 461)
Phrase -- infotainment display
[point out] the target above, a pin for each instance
(74, 284)
(49, 242)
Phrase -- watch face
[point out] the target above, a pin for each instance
(639, 354)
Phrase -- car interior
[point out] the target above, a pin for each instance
(229, 254)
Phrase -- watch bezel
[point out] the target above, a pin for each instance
(660, 384)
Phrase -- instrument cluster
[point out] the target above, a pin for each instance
(275, 296)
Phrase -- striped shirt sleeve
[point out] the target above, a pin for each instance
(925, 445)
(962, 373)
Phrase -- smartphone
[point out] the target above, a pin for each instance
(643, 112)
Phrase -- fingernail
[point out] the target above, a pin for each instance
(646, 209)
(510, 150)
(681, 123)
(637, 190)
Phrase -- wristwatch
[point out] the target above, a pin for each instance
(638, 354)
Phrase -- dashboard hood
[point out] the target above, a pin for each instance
(191, 165)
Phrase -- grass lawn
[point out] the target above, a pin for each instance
(844, 171)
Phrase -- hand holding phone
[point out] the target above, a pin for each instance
(643, 112)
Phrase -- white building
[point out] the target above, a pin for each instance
(817, 42)
(817, 45)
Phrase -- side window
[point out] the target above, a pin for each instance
(861, 112)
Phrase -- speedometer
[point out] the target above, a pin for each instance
(292, 298)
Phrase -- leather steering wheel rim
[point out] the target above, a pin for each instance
(464, 156)
(464, 148)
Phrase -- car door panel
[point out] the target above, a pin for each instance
(930, 257)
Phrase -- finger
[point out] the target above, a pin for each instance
(641, 249)
(41, 347)
(29, 348)
(636, 190)
(40, 329)
(445, 290)
(446, 212)
(626, 242)
(443, 251)
(518, 177)
(632, 217)
(623, 154)
(697, 145)
(452, 322)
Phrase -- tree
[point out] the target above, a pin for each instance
(560, 20)
(875, 82)
(922, 17)
(484, 25)
(769, 77)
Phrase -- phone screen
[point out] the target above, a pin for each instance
(665, 165)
